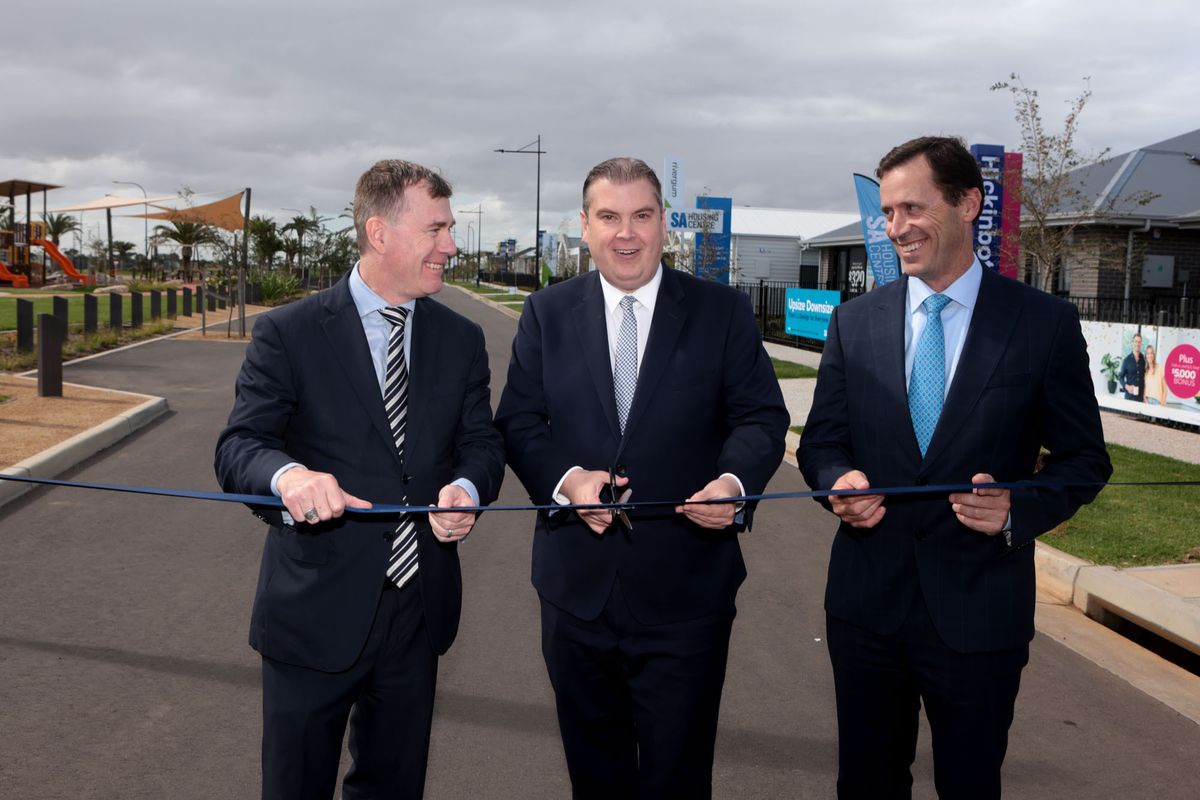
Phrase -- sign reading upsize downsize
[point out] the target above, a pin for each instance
(808, 312)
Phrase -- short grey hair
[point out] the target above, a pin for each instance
(621, 171)
(380, 192)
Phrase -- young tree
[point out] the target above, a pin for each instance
(1053, 202)
(188, 235)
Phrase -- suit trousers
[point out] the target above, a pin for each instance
(637, 704)
(387, 695)
(880, 681)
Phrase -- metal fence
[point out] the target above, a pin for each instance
(769, 299)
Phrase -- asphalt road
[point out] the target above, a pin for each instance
(125, 673)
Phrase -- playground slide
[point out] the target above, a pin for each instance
(18, 281)
(67, 267)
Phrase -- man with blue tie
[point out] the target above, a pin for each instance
(638, 378)
(950, 375)
(367, 391)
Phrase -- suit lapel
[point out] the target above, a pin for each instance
(887, 345)
(996, 314)
(588, 313)
(344, 332)
(670, 313)
(421, 371)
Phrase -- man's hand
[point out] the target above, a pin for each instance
(451, 526)
(983, 510)
(582, 487)
(715, 516)
(1129, 387)
(859, 511)
(314, 496)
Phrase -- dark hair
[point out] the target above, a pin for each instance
(955, 170)
(380, 191)
(622, 170)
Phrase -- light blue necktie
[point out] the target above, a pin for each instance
(927, 384)
(625, 367)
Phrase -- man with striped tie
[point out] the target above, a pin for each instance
(368, 391)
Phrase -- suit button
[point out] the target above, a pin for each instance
(920, 535)
(387, 535)
(405, 478)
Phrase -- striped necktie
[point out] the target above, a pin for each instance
(402, 564)
(626, 367)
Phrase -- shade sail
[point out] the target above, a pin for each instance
(226, 213)
(109, 201)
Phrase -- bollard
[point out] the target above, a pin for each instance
(212, 301)
(171, 306)
(51, 332)
(221, 302)
(114, 312)
(90, 313)
(62, 312)
(24, 326)
(155, 305)
(135, 309)
(188, 305)
(199, 299)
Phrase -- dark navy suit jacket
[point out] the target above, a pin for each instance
(307, 392)
(707, 403)
(1021, 384)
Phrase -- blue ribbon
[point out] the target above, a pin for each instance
(270, 501)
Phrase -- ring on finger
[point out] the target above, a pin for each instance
(311, 515)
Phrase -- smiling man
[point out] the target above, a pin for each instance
(636, 378)
(930, 598)
(368, 391)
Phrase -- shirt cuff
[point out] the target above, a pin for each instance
(287, 518)
(469, 487)
(557, 495)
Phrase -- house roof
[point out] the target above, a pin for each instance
(755, 221)
(1167, 172)
(847, 234)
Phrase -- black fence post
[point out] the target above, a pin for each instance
(188, 305)
(155, 305)
(762, 307)
(135, 309)
(114, 312)
(210, 299)
(62, 311)
(51, 332)
(91, 314)
(24, 326)
(171, 304)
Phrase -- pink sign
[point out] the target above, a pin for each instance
(1180, 371)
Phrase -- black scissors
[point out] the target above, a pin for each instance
(617, 494)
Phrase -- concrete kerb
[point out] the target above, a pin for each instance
(1095, 589)
(54, 460)
(487, 301)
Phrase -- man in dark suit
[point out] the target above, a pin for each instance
(368, 390)
(657, 382)
(1133, 371)
(930, 598)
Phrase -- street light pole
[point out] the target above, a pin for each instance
(537, 225)
(479, 234)
(145, 220)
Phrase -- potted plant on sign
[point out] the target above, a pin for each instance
(1110, 366)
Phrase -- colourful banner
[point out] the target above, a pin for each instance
(1170, 369)
(989, 226)
(1010, 223)
(711, 258)
(808, 312)
(881, 256)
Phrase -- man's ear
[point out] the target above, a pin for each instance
(376, 230)
(970, 205)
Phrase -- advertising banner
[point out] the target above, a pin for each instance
(712, 246)
(1163, 379)
(672, 182)
(1010, 223)
(881, 256)
(808, 312)
(990, 223)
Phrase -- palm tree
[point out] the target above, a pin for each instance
(264, 237)
(302, 226)
(59, 225)
(187, 235)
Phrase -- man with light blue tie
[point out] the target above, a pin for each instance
(950, 375)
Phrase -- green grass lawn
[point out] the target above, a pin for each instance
(44, 304)
(790, 369)
(76, 346)
(797, 429)
(1128, 526)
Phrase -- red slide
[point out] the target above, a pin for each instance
(67, 267)
(18, 281)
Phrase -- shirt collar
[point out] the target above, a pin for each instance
(364, 297)
(964, 291)
(645, 294)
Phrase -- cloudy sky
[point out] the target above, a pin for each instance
(772, 102)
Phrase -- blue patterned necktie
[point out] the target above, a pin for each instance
(927, 384)
(626, 366)
(402, 563)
